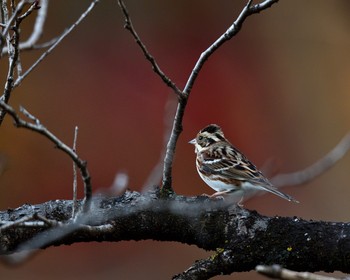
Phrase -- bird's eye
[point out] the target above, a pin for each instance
(200, 138)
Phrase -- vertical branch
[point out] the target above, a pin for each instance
(75, 182)
(171, 146)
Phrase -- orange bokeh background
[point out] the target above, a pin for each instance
(279, 89)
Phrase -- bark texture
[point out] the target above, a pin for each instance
(240, 238)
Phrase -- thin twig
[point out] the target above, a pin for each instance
(44, 45)
(129, 26)
(316, 169)
(226, 36)
(59, 40)
(36, 126)
(156, 174)
(33, 7)
(278, 272)
(75, 182)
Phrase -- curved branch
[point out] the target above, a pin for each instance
(316, 169)
(39, 128)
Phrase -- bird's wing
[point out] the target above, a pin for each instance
(234, 165)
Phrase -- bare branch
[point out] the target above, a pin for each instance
(59, 40)
(278, 272)
(240, 239)
(226, 36)
(128, 25)
(75, 182)
(39, 128)
(44, 45)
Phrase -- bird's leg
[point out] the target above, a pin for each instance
(239, 203)
(222, 193)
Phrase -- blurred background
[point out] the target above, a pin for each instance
(279, 89)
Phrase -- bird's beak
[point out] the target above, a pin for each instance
(193, 141)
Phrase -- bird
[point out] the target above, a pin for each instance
(225, 169)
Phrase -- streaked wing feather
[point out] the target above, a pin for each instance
(242, 170)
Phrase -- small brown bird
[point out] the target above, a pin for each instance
(224, 168)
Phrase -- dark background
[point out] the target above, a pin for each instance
(280, 90)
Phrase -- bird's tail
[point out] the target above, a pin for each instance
(273, 190)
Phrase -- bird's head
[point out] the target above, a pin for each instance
(208, 136)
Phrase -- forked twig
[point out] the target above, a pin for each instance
(36, 126)
(248, 10)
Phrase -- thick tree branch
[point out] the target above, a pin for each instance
(242, 239)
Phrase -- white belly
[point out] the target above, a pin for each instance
(218, 185)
